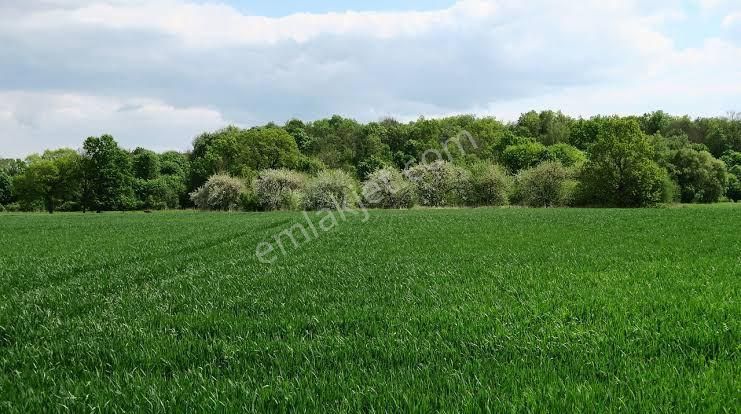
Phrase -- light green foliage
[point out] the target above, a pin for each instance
(620, 171)
(550, 184)
(330, 189)
(266, 148)
(489, 185)
(566, 154)
(279, 189)
(52, 179)
(519, 157)
(455, 311)
(221, 192)
(388, 188)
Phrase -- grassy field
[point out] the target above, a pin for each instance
(423, 310)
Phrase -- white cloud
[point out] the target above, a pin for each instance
(157, 72)
(731, 20)
(31, 122)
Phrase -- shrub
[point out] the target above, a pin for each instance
(439, 183)
(388, 188)
(489, 185)
(331, 189)
(221, 192)
(550, 184)
(279, 189)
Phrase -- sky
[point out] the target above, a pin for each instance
(156, 73)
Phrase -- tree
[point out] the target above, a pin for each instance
(51, 179)
(520, 157)
(107, 174)
(145, 164)
(655, 122)
(566, 154)
(266, 148)
(620, 171)
(701, 177)
(215, 152)
(6, 188)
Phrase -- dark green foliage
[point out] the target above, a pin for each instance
(369, 166)
(655, 122)
(620, 171)
(701, 178)
(145, 164)
(160, 193)
(6, 188)
(108, 178)
(12, 167)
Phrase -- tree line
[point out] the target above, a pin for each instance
(543, 159)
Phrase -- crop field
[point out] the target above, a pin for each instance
(562, 310)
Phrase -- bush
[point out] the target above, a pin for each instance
(388, 188)
(279, 189)
(221, 192)
(439, 183)
(489, 185)
(331, 189)
(550, 184)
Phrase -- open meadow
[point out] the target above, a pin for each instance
(424, 310)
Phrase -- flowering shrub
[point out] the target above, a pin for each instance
(330, 189)
(221, 192)
(279, 189)
(440, 183)
(388, 188)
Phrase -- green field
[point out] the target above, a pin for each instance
(424, 310)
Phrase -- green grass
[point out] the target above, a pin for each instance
(424, 310)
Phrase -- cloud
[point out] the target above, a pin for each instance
(31, 122)
(731, 20)
(208, 63)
